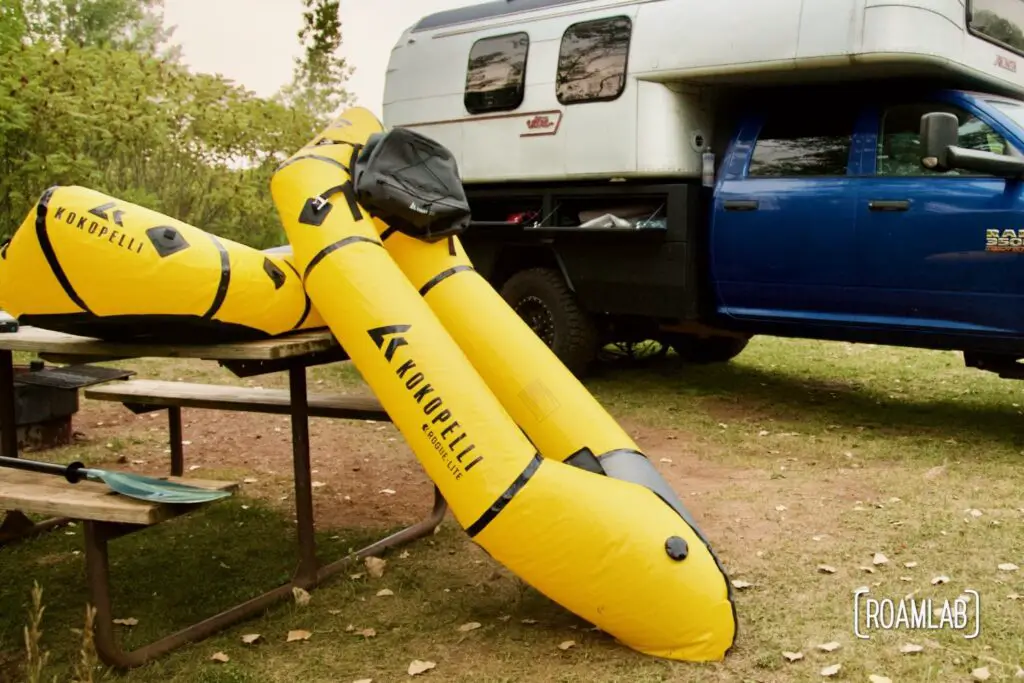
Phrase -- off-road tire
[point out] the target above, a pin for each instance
(705, 350)
(542, 298)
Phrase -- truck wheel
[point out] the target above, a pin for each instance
(705, 350)
(541, 297)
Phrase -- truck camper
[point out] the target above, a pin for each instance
(699, 173)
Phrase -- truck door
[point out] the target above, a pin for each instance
(940, 251)
(783, 231)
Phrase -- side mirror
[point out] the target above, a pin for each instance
(940, 150)
(939, 131)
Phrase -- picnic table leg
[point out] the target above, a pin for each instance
(175, 435)
(16, 525)
(418, 530)
(306, 574)
(97, 566)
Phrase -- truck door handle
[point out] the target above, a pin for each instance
(739, 205)
(889, 205)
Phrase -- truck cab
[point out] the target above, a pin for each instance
(844, 173)
(825, 223)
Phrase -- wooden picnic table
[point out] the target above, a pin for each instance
(293, 353)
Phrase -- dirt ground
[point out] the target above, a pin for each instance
(364, 474)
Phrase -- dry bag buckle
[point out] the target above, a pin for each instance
(319, 202)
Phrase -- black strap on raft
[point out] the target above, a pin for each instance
(317, 208)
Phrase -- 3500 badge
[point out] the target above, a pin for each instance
(1004, 240)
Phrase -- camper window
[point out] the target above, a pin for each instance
(496, 75)
(998, 21)
(810, 144)
(592, 60)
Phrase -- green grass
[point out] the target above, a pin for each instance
(794, 455)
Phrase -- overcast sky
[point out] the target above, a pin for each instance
(253, 42)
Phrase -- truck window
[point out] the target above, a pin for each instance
(592, 60)
(496, 75)
(809, 144)
(998, 21)
(899, 139)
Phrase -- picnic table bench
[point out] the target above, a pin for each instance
(104, 519)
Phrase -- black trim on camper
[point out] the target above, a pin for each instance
(601, 38)
(504, 92)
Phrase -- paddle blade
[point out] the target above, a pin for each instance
(157, 490)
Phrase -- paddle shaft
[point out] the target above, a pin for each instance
(73, 472)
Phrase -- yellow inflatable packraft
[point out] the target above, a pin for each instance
(86, 263)
(607, 547)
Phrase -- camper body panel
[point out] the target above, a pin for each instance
(676, 61)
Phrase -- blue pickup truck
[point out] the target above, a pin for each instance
(845, 173)
(829, 217)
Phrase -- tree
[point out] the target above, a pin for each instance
(318, 79)
(135, 25)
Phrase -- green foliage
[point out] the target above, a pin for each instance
(319, 76)
(93, 95)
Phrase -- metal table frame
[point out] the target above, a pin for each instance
(294, 354)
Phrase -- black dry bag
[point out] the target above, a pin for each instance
(411, 182)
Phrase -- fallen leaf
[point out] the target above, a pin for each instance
(356, 577)
(667, 461)
(364, 680)
(1008, 567)
(193, 468)
(528, 621)
(793, 656)
(249, 480)
(350, 628)
(298, 635)
(974, 512)
(1020, 673)
(220, 657)
(741, 584)
(383, 592)
(318, 484)
(910, 565)
(250, 638)
(375, 566)
(471, 626)
(827, 569)
(334, 612)
(1013, 596)
(981, 674)
(389, 492)
(130, 621)
(404, 555)
(780, 508)
(565, 645)
(879, 558)
(869, 570)
(829, 647)
(302, 596)
(817, 538)
(874, 678)
(831, 670)
(910, 648)
(366, 633)
(417, 667)
(934, 472)
(504, 617)
(940, 579)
